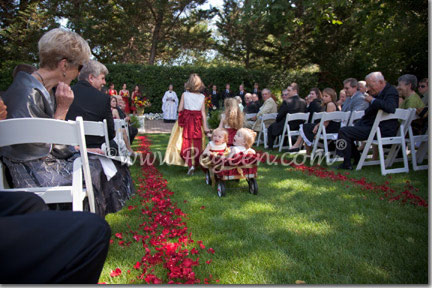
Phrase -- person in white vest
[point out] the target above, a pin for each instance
(169, 105)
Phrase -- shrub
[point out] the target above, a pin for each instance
(214, 119)
(154, 80)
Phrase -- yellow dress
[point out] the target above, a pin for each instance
(172, 153)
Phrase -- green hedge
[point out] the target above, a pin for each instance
(154, 80)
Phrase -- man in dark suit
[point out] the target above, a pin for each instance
(252, 104)
(291, 103)
(257, 91)
(215, 97)
(242, 94)
(385, 98)
(227, 93)
(52, 247)
(90, 103)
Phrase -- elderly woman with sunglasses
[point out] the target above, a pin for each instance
(46, 94)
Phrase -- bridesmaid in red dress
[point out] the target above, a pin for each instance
(124, 93)
(136, 95)
(111, 90)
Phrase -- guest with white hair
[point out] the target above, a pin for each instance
(383, 96)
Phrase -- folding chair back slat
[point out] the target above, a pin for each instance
(355, 115)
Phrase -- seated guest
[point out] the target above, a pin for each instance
(308, 131)
(133, 131)
(231, 119)
(123, 144)
(250, 107)
(239, 101)
(52, 247)
(315, 102)
(291, 103)
(269, 106)
(423, 89)
(354, 99)
(406, 86)
(384, 97)
(361, 86)
(62, 54)
(90, 103)
(342, 98)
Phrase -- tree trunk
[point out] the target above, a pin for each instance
(155, 38)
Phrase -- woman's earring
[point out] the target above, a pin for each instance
(64, 74)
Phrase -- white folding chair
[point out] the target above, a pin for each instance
(417, 154)
(263, 130)
(404, 115)
(322, 134)
(355, 115)
(287, 130)
(51, 131)
(94, 128)
(250, 116)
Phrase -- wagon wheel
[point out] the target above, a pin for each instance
(208, 178)
(253, 186)
(221, 188)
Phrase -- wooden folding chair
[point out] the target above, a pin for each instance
(52, 131)
(322, 134)
(290, 133)
(404, 115)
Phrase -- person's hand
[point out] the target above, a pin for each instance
(96, 150)
(127, 118)
(369, 98)
(254, 118)
(3, 111)
(64, 98)
(315, 130)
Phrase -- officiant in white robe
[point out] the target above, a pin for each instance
(169, 105)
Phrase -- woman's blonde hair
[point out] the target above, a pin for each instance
(194, 84)
(233, 115)
(249, 136)
(58, 44)
(223, 131)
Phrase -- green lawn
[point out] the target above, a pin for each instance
(298, 227)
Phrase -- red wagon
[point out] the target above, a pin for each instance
(220, 169)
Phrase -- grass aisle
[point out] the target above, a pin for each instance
(303, 227)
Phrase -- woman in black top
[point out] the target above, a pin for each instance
(309, 130)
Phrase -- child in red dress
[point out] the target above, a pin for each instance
(218, 145)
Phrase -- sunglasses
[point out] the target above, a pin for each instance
(80, 66)
(422, 86)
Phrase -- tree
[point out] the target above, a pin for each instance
(22, 24)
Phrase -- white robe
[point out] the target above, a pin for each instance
(169, 105)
